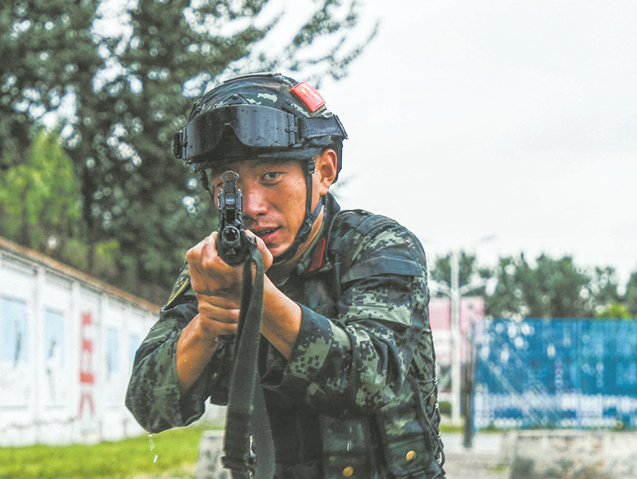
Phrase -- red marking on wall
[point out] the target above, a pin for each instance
(87, 375)
(87, 396)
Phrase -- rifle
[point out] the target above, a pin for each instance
(246, 416)
(233, 245)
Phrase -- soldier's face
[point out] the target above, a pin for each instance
(274, 195)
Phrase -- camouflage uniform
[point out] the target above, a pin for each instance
(357, 397)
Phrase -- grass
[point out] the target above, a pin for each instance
(171, 454)
(450, 428)
(176, 452)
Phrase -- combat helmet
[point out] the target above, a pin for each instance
(261, 116)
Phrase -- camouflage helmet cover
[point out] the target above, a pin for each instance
(261, 115)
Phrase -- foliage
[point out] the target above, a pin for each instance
(613, 310)
(631, 295)
(554, 288)
(545, 288)
(40, 202)
(441, 272)
(445, 407)
(40, 207)
(176, 452)
(122, 86)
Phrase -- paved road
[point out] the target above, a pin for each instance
(472, 465)
(483, 461)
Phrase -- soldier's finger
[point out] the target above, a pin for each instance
(228, 316)
(209, 256)
(218, 300)
(193, 256)
(225, 328)
(265, 252)
(213, 312)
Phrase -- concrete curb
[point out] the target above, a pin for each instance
(209, 460)
(571, 454)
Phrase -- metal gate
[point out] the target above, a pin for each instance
(556, 373)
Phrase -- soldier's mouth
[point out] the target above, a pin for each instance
(264, 233)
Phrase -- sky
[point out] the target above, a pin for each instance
(498, 127)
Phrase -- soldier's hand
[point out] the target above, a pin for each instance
(265, 252)
(217, 287)
(211, 276)
(217, 315)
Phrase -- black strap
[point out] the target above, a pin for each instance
(246, 417)
(306, 227)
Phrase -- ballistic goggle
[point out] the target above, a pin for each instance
(254, 126)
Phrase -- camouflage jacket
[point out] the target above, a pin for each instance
(358, 390)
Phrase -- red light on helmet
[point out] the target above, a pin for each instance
(309, 95)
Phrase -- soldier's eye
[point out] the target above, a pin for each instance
(271, 176)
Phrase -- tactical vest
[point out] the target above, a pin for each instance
(369, 447)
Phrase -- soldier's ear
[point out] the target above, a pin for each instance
(326, 170)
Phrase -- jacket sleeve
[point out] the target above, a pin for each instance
(153, 394)
(357, 362)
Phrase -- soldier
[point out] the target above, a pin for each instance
(348, 371)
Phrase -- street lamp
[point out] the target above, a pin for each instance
(455, 292)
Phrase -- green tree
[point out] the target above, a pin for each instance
(553, 288)
(631, 295)
(603, 292)
(613, 311)
(508, 299)
(40, 202)
(469, 270)
(129, 82)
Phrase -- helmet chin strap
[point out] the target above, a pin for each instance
(302, 235)
(305, 229)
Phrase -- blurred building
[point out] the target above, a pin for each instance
(67, 344)
(471, 313)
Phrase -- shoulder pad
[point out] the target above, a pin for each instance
(360, 221)
(181, 286)
(350, 227)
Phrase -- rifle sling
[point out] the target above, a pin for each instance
(246, 413)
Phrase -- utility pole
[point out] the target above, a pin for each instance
(456, 340)
(455, 293)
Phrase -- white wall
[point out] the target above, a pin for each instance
(67, 343)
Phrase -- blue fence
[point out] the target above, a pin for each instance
(556, 373)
